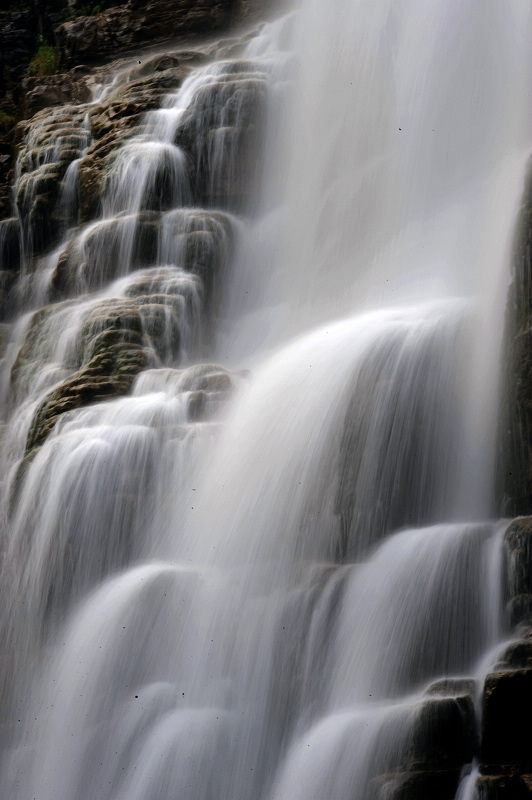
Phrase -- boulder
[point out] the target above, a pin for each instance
(452, 687)
(517, 655)
(443, 734)
(506, 715)
(206, 388)
(433, 784)
(441, 745)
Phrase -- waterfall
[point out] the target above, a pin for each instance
(250, 537)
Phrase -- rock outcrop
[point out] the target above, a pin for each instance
(220, 131)
(92, 38)
(116, 119)
(52, 141)
(115, 339)
(505, 753)
(516, 438)
(442, 744)
(113, 27)
(518, 549)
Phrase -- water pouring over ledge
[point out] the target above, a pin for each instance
(301, 576)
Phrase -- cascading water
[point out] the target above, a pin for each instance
(250, 596)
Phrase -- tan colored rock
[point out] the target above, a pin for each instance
(52, 140)
(116, 338)
(115, 120)
(38, 93)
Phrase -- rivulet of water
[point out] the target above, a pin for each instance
(238, 580)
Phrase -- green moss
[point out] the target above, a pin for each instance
(45, 61)
(5, 118)
(20, 7)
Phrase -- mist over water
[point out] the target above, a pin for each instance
(251, 602)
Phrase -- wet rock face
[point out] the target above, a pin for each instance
(518, 550)
(507, 711)
(518, 543)
(93, 259)
(17, 44)
(220, 133)
(195, 240)
(371, 500)
(518, 655)
(136, 22)
(72, 233)
(9, 258)
(436, 785)
(117, 118)
(443, 736)
(118, 357)
(504, 787)
(38, 93)
(505, 752)
(516, 478)
(442, 745)
(114, 340)
(52, 142)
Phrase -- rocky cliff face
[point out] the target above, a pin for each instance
(68, 37)
(91, 38)
(94, 142)
(517, 381)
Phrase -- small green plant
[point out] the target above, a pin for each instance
(20, 7)
(5, 118)
(83, 11)
(45, 61)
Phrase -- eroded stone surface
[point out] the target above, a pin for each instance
(116, 338)
(136, 22)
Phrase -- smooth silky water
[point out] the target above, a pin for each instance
(252, 606)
